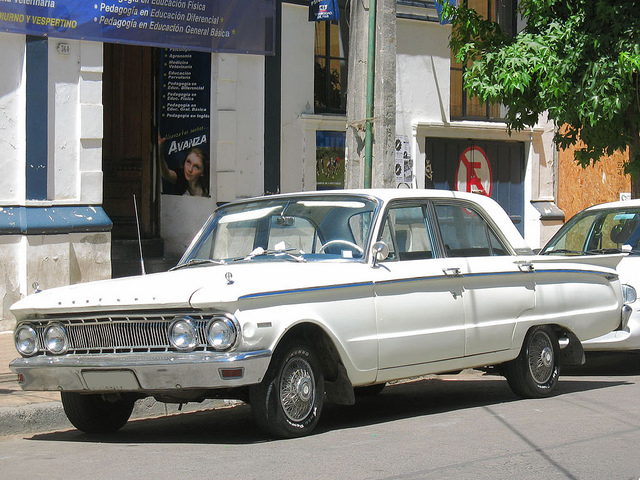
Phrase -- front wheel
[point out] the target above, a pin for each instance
(535, 372)
(288, 401)
(95, 413)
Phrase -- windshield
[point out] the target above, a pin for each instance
(598, 232)
(291, 228)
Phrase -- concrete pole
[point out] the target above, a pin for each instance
(384, 95)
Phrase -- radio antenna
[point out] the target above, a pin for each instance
(135, 207)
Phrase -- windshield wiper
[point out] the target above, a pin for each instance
(198, 261)
(283, 252)
(563, 251)
(604, 251)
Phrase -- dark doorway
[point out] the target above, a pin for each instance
(128, 143)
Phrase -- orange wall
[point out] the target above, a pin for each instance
(579, 188)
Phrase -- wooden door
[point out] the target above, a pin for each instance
(127, 158)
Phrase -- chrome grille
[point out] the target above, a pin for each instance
(120, 334)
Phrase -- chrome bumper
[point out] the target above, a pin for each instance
(141, 372)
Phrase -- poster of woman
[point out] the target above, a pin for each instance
(184, 123)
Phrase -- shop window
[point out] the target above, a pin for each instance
(330, 75)
(464, 106)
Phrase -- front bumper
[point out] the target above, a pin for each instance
(150, 372)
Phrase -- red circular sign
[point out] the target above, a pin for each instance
(474, 172)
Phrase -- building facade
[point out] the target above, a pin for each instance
(80, 125)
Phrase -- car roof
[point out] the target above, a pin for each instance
(613, 205)
(385, 195)
(388, 194)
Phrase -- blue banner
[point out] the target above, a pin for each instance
(323, 10)
(233, 26)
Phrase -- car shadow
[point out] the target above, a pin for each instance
(234, 425)
(607, 364)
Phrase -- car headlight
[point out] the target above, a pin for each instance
(26, 340)
(182, 334)
(629, 294)
(55, 339)
(222, 333)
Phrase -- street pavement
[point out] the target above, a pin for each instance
(32, 412)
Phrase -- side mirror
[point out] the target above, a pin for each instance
(380, 251)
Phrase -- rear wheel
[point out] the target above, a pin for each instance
(535, 372)
(288, 402)
(96, 413)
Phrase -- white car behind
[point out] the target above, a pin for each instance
(605, 229)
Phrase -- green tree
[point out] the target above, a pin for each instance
(578, 60)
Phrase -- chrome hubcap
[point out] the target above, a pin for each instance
(547, 357)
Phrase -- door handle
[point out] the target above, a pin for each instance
(526, 267)
(453, 272)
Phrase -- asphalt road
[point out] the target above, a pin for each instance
(468, 426)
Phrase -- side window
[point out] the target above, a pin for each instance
(406, 232)
(466, 234)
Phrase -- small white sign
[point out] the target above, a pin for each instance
(404, 162)
(64, 49)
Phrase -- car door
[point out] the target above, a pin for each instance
(418, 298)
(497, 285)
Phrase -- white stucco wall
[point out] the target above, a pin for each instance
(422, 74)
(75, 122)
(249, 177)
(297, 98)
(12, 119)
(10, 291)
(74, 169)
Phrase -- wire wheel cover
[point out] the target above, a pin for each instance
(297, 389)
(541, 357)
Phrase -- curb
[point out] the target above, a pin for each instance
(50, 416)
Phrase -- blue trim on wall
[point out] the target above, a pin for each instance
(37, 81)
(53, 220)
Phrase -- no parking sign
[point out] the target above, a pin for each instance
(474, 172)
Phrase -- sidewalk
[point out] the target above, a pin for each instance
(11, 395)
(32, 412)
(25, 412)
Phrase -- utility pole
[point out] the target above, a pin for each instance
(371, 95)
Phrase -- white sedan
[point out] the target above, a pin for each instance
(290, 300)
(606, 229)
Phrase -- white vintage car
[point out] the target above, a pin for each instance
(602, 230)
(288, 300)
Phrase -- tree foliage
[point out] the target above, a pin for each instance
(578, 60)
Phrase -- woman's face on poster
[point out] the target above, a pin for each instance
(193, 166)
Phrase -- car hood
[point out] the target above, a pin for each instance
(212, 286)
